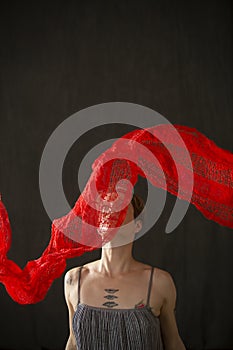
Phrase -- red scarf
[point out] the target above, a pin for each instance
(212, 195)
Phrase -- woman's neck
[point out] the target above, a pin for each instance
(116, 261)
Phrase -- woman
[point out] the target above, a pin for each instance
(120, 303)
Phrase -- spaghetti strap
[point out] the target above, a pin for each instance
(79, 275)
(149, 287)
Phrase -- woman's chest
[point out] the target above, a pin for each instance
(121, 293)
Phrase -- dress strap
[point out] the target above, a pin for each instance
(79, 275)
(149, 287)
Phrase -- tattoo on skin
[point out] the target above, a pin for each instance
(69, 280)
(111, 291)
(139, 304)
(110, 297)
(110, 304)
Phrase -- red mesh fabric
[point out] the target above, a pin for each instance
(75, 233)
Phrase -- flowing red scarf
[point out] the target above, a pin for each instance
(76, 233)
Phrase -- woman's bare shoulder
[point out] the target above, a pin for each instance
(164, 279)
(160, 272)
(163, 274)
(71, 275)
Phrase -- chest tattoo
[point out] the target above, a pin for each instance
(111, 291)
(110, 296)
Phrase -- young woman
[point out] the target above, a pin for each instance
(120, 303)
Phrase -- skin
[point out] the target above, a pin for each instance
(114, 284)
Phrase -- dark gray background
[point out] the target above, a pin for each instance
(58, 58)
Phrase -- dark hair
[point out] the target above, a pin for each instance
(138, 206)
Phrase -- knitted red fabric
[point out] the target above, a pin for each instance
(212, 194)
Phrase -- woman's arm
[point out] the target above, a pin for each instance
(71, 343)
(170, 333)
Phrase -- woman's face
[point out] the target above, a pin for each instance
(126, 232)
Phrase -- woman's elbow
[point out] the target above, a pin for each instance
(175, 345)
(70, 345)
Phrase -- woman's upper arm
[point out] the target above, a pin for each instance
(168, 323)
(68, 282)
